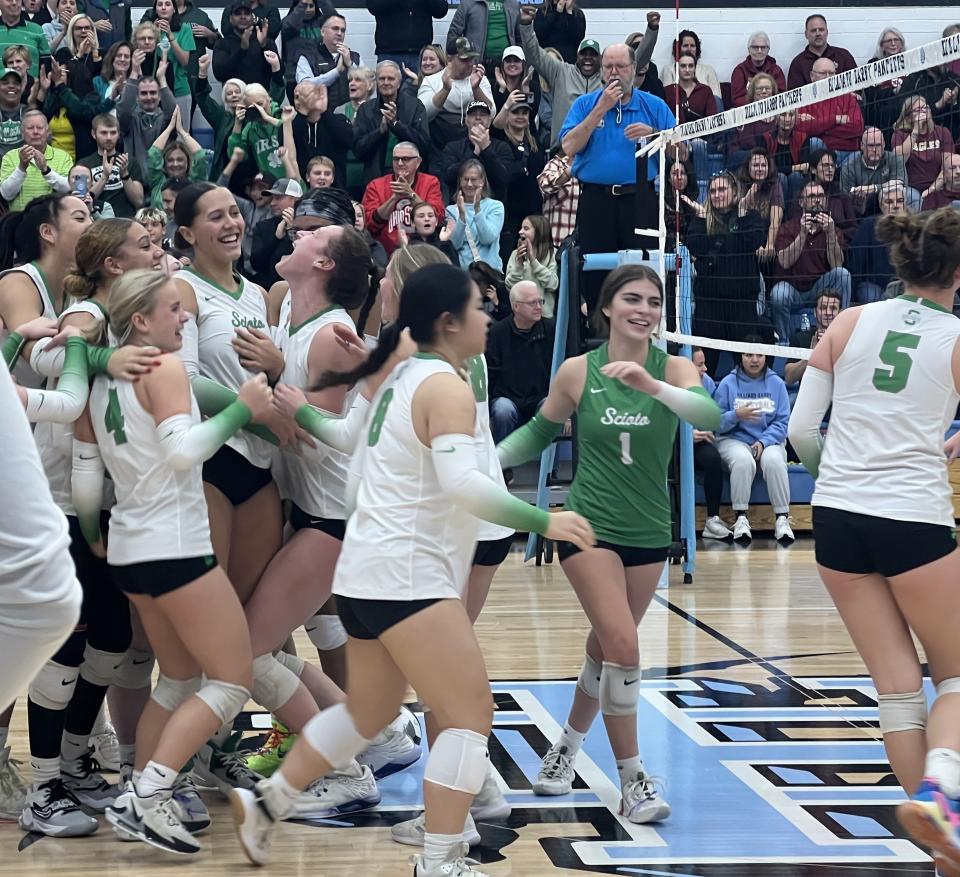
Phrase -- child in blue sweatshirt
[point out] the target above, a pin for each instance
(756, 410)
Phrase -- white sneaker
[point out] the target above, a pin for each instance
(459, 866)
(641, 803)
(51, 809)
(163, 829)
(714, 528)
(189, 806)
(106, 749)
(13, 793)
(556, 773)
(255, 825)
(489, 802)
(783, 532)
(395, 748)
(411, 831)
(343, 791)
(741, 530)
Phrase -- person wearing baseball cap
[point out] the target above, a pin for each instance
(271, 241)
(513, 78)
(476, 142)
(11, 110)
(448, 93)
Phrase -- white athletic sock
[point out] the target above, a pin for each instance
(571, 739)
(4, 732)
(438, 847)
(72, 748)
(156, 780)
(943, 765)
(44, 769)
(279, 796)
(629, 768)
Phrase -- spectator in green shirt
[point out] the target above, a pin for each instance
(176, 34)
(180, 160)
(17, 30)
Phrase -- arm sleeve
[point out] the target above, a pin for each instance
(693, 405)
(11, 349)
(455, 462)
(212, 398)
(66, 403)
(86, 484)
(12, 185)
(340, 433)
(816, 393)
(187, 444)
(532, 439)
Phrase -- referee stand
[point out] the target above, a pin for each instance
(569, 342)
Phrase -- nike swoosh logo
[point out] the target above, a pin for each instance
(117, 666)
(87, 458)
(67, 681)
(629, 681)
(144, 661)
(594, 390)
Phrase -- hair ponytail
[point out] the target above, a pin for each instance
(924, 247)
(387, 343)
(20, 240)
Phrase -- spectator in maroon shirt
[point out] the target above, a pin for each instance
(691, 100)
(946, 190)
(824, 168)
(817, 47)
(747, 137)
(921, 142)
(758, 60)
(810, 258)
(837, 121)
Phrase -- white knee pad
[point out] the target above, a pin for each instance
(334, 735)
(903, 712)
(949, 686)
(619, 689)
(225, 698)
(326, 632)
(273, 684)
(99, 667)
(136, 670)
(589, 680)
(53, 686)
(170, 693)
(458, 760)
(293, 663)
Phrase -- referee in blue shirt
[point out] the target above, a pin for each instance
(601, 132)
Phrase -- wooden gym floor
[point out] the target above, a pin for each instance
(755, 711)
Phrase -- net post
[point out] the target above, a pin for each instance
(688, 509)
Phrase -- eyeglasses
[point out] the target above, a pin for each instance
(533, 302)
(607, 67)
(759, 48)
(405, 158)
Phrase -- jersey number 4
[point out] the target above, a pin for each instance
(113, 418)
(897, 362)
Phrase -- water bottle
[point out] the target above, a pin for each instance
(805, 323)
(164, 41)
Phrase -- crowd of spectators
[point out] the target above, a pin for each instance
(490, 144)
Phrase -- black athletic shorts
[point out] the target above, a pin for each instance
(300, 520)
(628, 555)
(234, 475)
(863, 544)
(158, 577)
(492, 552)
(91, 570)
(367, 619)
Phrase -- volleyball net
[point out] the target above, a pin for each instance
(773, 205)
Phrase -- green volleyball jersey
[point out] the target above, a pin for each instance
(625, 443)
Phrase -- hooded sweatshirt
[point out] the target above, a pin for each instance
(767, 392)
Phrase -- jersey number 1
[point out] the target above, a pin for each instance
(625, 456)
(113, 418)
(897, 362)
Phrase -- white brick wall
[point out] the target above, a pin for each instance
(723, 32)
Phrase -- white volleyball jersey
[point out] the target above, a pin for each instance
(893, 399)
(25, 375)
(32, 530)
(316, 477)
(486, 450)
(219, 314)
(278, 467)
(161, 513)
(405, 540)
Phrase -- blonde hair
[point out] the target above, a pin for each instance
(12, 51)
(321, 161)
(413, 257)
(905, 119)
(146, 25)
(150, 214)
(135, 292)
(255, 92)
(101, 240)
(752, 85)
(69, 40)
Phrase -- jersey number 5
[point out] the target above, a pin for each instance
(376, 424)
(897, 362)
(113, 418)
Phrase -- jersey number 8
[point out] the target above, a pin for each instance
(893, 354)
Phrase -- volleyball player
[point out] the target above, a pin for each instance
(882, 512)
(42, 240)
(406, 553)
(227, 342)
(628, 395)
(159, 552)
